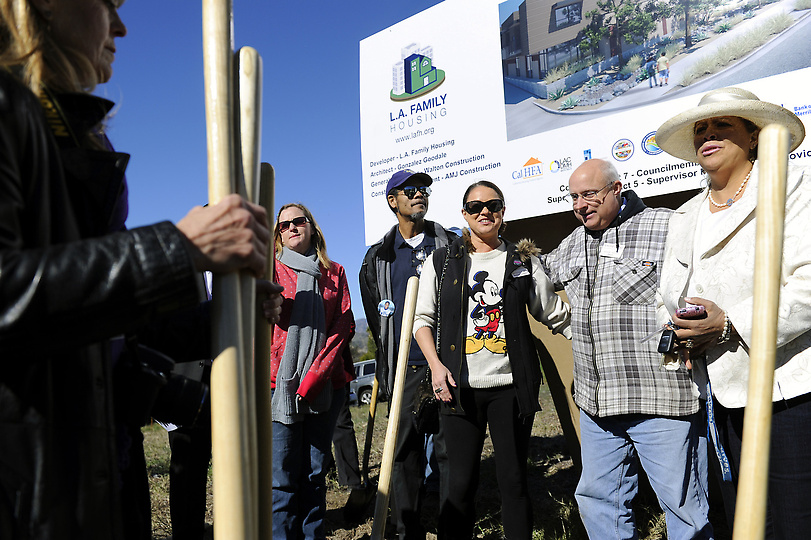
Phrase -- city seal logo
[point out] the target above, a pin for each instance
(414, 75)
(622, 150)
(649, 145)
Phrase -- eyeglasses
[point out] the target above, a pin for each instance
(411, 191)
(298, 222)
(475, 207)
(590, 196)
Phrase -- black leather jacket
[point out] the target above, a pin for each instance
(66, 287)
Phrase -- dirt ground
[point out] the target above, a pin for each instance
(552, 480)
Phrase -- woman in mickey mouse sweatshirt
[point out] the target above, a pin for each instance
(473, 301)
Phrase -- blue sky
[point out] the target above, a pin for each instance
(507, 8)
(311, 132)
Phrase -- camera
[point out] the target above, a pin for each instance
(146, 388)
(667, 341)
(183, 402)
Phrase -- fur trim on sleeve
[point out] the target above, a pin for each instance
(527, 248)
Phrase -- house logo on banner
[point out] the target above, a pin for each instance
(412, 77)
(532, 170)
(649, 145)
(622, 150)
(414, 74)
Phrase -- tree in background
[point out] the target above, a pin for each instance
(371, 347)
(684, 7)
(592, 34)
(698, 10)
(629, 20)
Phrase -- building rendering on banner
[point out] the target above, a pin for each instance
(544, 34)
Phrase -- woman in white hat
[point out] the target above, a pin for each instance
(709, 261)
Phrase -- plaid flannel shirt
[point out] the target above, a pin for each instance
(613, 307)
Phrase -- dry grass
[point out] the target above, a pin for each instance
(552, 479)
(156, 448)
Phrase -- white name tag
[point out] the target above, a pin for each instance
(520, 272)
(611, 251)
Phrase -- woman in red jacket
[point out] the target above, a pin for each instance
(306, 371)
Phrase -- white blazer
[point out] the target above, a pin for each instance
(724, 273)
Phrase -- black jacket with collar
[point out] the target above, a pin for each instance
(68, 286)
(375, 274)
(524, 361)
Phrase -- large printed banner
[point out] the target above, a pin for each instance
(435, 98)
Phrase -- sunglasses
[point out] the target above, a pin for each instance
(298, 222)
(475, 207)
(411, 191)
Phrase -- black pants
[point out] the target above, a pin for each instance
(188, 473)
(789, 498)
(464, 440)
(346, 447)
(137, 512)
(408, 470)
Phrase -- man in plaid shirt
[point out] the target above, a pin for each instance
(631, 405)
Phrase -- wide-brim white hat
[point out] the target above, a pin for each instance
(676, 135)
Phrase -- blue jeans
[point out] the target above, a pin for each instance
(673, 452)
(431, 465)
(299, 488)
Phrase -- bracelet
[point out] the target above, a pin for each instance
(725, 333)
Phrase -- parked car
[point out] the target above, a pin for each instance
(361, 387)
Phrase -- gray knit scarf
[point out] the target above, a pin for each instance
(305, 338)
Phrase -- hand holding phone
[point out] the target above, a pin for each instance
(667, 342)
(692, 312)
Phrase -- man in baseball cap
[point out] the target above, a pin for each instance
(386, 268)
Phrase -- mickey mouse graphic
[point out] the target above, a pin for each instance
(486, 316)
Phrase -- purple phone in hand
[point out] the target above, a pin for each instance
(691, 312)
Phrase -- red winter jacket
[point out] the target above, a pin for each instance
(327, 366)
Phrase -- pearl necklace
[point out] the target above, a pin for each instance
(732, 200)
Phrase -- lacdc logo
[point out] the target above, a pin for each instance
(560, 165)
